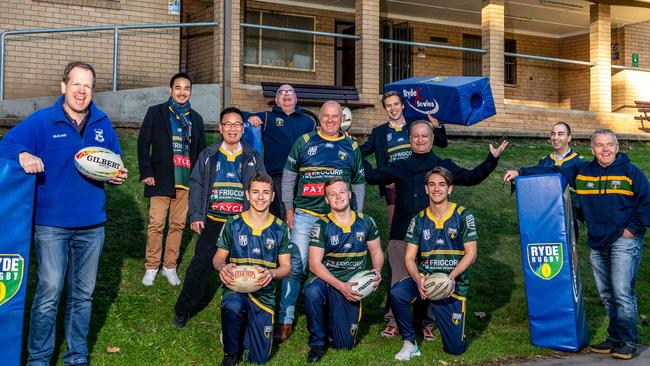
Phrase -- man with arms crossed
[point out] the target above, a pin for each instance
(338, 246)
(69, 211)
(314, 159)
(170, 140)
(441, 238)
(254, 237)
(615, 197)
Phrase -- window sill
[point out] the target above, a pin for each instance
(103, 4)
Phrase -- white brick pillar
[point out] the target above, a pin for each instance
(492, 26)
(367, 49)
(600, 39)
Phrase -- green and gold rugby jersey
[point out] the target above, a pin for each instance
(317, 158)
(227, 196)
(442, 242)
(345, 247)
(252, 245)
(397, 142)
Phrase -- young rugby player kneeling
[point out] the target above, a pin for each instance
(258, 238)
(441, 238)
(338, 246)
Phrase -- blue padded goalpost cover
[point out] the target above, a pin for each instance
(556, 311)
(461, 100)
(16, 209)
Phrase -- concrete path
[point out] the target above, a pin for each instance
(584, 359)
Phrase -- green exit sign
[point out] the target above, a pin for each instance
(635, 60)
(438, 39)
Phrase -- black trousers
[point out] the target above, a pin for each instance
(277, 207)
(198, 273)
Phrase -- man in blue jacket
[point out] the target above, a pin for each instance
(615, 198)
(69, 212)
(281, 127)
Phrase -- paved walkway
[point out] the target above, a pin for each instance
(585, 359)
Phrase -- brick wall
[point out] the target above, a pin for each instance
(34, 63)
(198, 43)
(574, 80)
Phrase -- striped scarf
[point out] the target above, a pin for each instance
(181, 111)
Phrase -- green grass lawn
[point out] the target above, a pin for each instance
(136, 319)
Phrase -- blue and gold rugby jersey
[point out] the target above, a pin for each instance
(252, 245)
(227, 196)
(442, 243)
(316, 159)
(345, 246)
(397, 143)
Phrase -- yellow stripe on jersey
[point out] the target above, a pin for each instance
(253, 261)
(217, 219)
(443, 252)
(609, 191)
(402, 146)
(604, 178)
(345, 255)
(228, 184)
(313, 213)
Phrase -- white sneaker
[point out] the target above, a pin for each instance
(149, 276)
(171, 276)
(408, 350)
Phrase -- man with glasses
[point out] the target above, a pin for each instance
(170, 140)
(217, 187)
(281, 127)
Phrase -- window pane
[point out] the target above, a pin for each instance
(252, 39)
(286, 49)
(472, 61)
(510, 62)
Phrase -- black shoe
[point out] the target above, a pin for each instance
(179, 321)
(315, 354)
(603, 347)
(229, 360)
(624, 352)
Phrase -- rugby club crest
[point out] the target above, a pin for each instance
(270, 242)
(452, 232)
(545, 259)
(268, 330)
(279, 122)
(360, 235)
(456, 318)
(11, 276)
(342, 155)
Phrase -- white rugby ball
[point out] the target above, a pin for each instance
(245, 279)
(98, 163)
(438, 286)
(346, 121)
(364, 282)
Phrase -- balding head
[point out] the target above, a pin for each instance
(286, 98)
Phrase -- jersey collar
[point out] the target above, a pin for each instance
(345, 228)
(440, 224)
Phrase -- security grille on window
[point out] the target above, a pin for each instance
(510, 63)
(472, 61)
(280, 49)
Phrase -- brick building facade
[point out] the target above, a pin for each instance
(540, 94)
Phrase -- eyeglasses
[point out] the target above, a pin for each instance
(286, 92)
(235, 125)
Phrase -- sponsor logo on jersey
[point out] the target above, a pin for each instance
(99, 135)
(270, 242)
(313, 189)
(180, 160)
(229, 207)
(334, 240)
(345, 264)
(440, 241)
(315, 231)
(291, 160)
(400, 139)
(471, 223)
(257, 251)
(389, 136)
(243, 240)
(312, 150)
(59, 135)
(218, 165)
(360, 235)
(11, 276)
(456, 318)
(347, 245)
(452, 232)
(426, 233)
(590, 184)
(545, 259)
(329, 145)
(279, 122)
(231, 175)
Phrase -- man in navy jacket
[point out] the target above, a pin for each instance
(69, 212)
(170, 140)
(615, 198)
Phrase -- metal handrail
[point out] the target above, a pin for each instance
(302, 31)
(115, 28)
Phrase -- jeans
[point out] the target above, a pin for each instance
(615, 270)
(70, 256)
(302, 224)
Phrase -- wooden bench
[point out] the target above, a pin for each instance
(315, 95)
(644, 110)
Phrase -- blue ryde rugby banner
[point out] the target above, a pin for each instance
(16, 210)
(460, 100)
(556, 311)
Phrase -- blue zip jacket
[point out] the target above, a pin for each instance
(64, 198)
(612, 198)
(280, 131)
